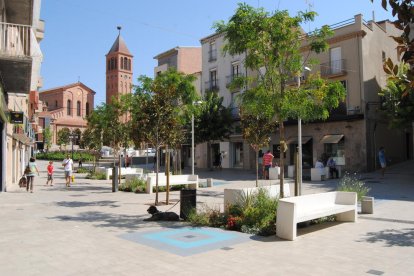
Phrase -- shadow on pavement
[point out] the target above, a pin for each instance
(392, 237)
(107, 203)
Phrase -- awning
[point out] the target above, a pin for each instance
(294, 139)
(332, 139)
(22, 138)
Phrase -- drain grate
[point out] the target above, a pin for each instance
(375, 272)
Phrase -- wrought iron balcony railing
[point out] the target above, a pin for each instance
(333, 68)
(211, 85)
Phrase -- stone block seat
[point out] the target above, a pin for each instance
(293, 210)
(184, 179)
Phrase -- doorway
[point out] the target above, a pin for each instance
(238, 155)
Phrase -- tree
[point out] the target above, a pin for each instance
(47, 137)
(159, 110)
(212, 121)
(272, 45)
(63, 136)
(398, 96)
(398, 109)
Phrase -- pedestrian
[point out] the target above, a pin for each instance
(319, 165)
(220, 160)
(382, 160)
(80, 161)
(50, 170)
(267, 162)
(332, 168)
(68, 166)
(32, 169)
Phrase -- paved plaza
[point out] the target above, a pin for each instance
(88, 230)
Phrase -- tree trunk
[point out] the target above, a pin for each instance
(257, 168)
(157, 169)
(167, 172)
(282, 159)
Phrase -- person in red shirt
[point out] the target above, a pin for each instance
(50, 170)
(267, 163)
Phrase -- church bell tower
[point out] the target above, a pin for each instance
(118, 69)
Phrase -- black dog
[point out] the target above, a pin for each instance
(157, 215)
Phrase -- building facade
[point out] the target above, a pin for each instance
(186, 60)
(65, 107)
(21, 31)
(355, 130)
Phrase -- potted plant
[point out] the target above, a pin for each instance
(351, 183)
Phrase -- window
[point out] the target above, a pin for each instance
(87, 109)
(78, 108)
(235, 69)
(129, 64)
(122, 63)
(56, 104)
(126, 64)
(109, 65)
(69, 107)
(112, 63)
(384, 57)
(116, 64)
(213, 79)
(212, 53)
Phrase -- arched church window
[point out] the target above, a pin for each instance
(122, 63)
(87, 109)
(126, 63)
(129, 64)
(69, 107)
(78, 108)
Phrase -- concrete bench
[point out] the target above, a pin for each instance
(317, 176)
(124, 171)
(233, 196)
(293, 210)
(274, 173)
(183, 179)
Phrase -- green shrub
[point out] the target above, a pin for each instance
(60, 155)
(83, 170)
(135, 185)
(96, 175)
(206, 217)
(351, 183)
(258, 213)
(197, 219)
(172, 188)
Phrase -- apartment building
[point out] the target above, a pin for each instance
(21, 31)
(218, 71)
(356, 129)
(186, 60)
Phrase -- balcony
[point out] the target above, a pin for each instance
(15, 56)
(211, 86)
(333, 69)
(234, 82)
(212, 55)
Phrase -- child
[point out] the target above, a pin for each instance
(50, 170)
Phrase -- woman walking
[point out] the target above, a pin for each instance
(30, 176)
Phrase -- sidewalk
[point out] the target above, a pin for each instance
(88, 230)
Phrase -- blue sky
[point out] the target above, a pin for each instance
(79, 33)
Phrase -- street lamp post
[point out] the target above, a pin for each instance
(299, 172)
(72, 136)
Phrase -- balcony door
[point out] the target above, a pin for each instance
(336, 60)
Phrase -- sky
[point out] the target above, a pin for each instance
(79, 33)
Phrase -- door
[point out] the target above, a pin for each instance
(238, 155)
(336, 60)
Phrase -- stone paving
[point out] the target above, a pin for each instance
(88, 230)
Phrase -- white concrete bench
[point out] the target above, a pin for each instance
(233, 196)
(274, 173)
(293, 210)
(124, 171)
(183, 179)
(316, 174)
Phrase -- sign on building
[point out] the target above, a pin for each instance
(16, 117)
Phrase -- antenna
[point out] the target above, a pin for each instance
(119, 29)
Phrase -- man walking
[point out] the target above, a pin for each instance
(68, 164)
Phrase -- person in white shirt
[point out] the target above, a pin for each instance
(68, 164)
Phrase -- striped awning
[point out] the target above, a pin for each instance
(332, 139)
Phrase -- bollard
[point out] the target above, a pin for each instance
(210, 182)
(367, 205)
(115, 179)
